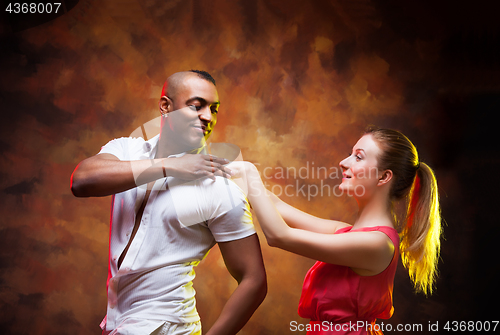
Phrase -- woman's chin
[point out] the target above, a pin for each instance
(344, 187)
(350, 190)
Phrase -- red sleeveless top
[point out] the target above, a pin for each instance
(339, 301)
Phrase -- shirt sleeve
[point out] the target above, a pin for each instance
(115, 147)
(127, 148)
(232, 219)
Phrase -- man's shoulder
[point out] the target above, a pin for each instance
(126, 142)
(219, 204)
(222, 184)
(209, 196)
(216, 188)
(127, 148)
(130, 140)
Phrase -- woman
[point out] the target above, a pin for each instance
(351, 284)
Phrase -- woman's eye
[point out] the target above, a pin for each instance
(358, 158)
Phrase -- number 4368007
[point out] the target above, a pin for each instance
(33, 8)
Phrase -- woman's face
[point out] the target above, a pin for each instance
(360, 169)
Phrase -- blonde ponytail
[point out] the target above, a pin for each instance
(421, 230)
(420, 237)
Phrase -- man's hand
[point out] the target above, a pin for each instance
(189, 167)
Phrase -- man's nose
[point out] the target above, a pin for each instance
(205, 114)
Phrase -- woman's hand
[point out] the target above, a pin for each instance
(239, 173)
(238, 169)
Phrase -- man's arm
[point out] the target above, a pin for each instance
(243, 259)
(104, 174)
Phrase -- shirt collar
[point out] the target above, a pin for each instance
(151, 146)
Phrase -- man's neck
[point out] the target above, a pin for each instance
(166, 153)
(168, 147)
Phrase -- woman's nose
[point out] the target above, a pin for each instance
(344, 164)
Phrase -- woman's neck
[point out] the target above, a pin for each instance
(374, 211)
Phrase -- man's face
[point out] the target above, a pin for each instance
(194, 114)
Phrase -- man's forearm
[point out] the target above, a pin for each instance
(101, 177)
(105, 174)
(240, 307)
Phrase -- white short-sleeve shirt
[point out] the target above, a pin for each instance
(180, 223)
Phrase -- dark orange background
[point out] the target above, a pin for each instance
(298, 81)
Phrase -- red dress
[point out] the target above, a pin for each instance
(339, 301)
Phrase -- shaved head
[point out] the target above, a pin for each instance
(177, 80)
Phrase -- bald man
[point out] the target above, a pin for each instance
(171, 204)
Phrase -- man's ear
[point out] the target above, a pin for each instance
(385, 177)
(166, 105)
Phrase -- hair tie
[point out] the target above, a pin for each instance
(418, 165)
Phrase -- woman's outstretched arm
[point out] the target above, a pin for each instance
(296, 218)
(366, 252)
(293, 217)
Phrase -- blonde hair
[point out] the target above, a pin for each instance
(415, 182)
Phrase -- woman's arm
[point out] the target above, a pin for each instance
(366, 252)
(293, 217)
(296, 218)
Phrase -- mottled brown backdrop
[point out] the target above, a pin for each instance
(298, 81)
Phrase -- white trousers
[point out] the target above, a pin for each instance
(164, 328)
(170, 328)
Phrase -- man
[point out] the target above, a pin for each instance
(159, 232)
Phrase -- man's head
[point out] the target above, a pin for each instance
(173, 80)
(189, 104)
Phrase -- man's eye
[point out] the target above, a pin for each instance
(214, 111)
(195, 108)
